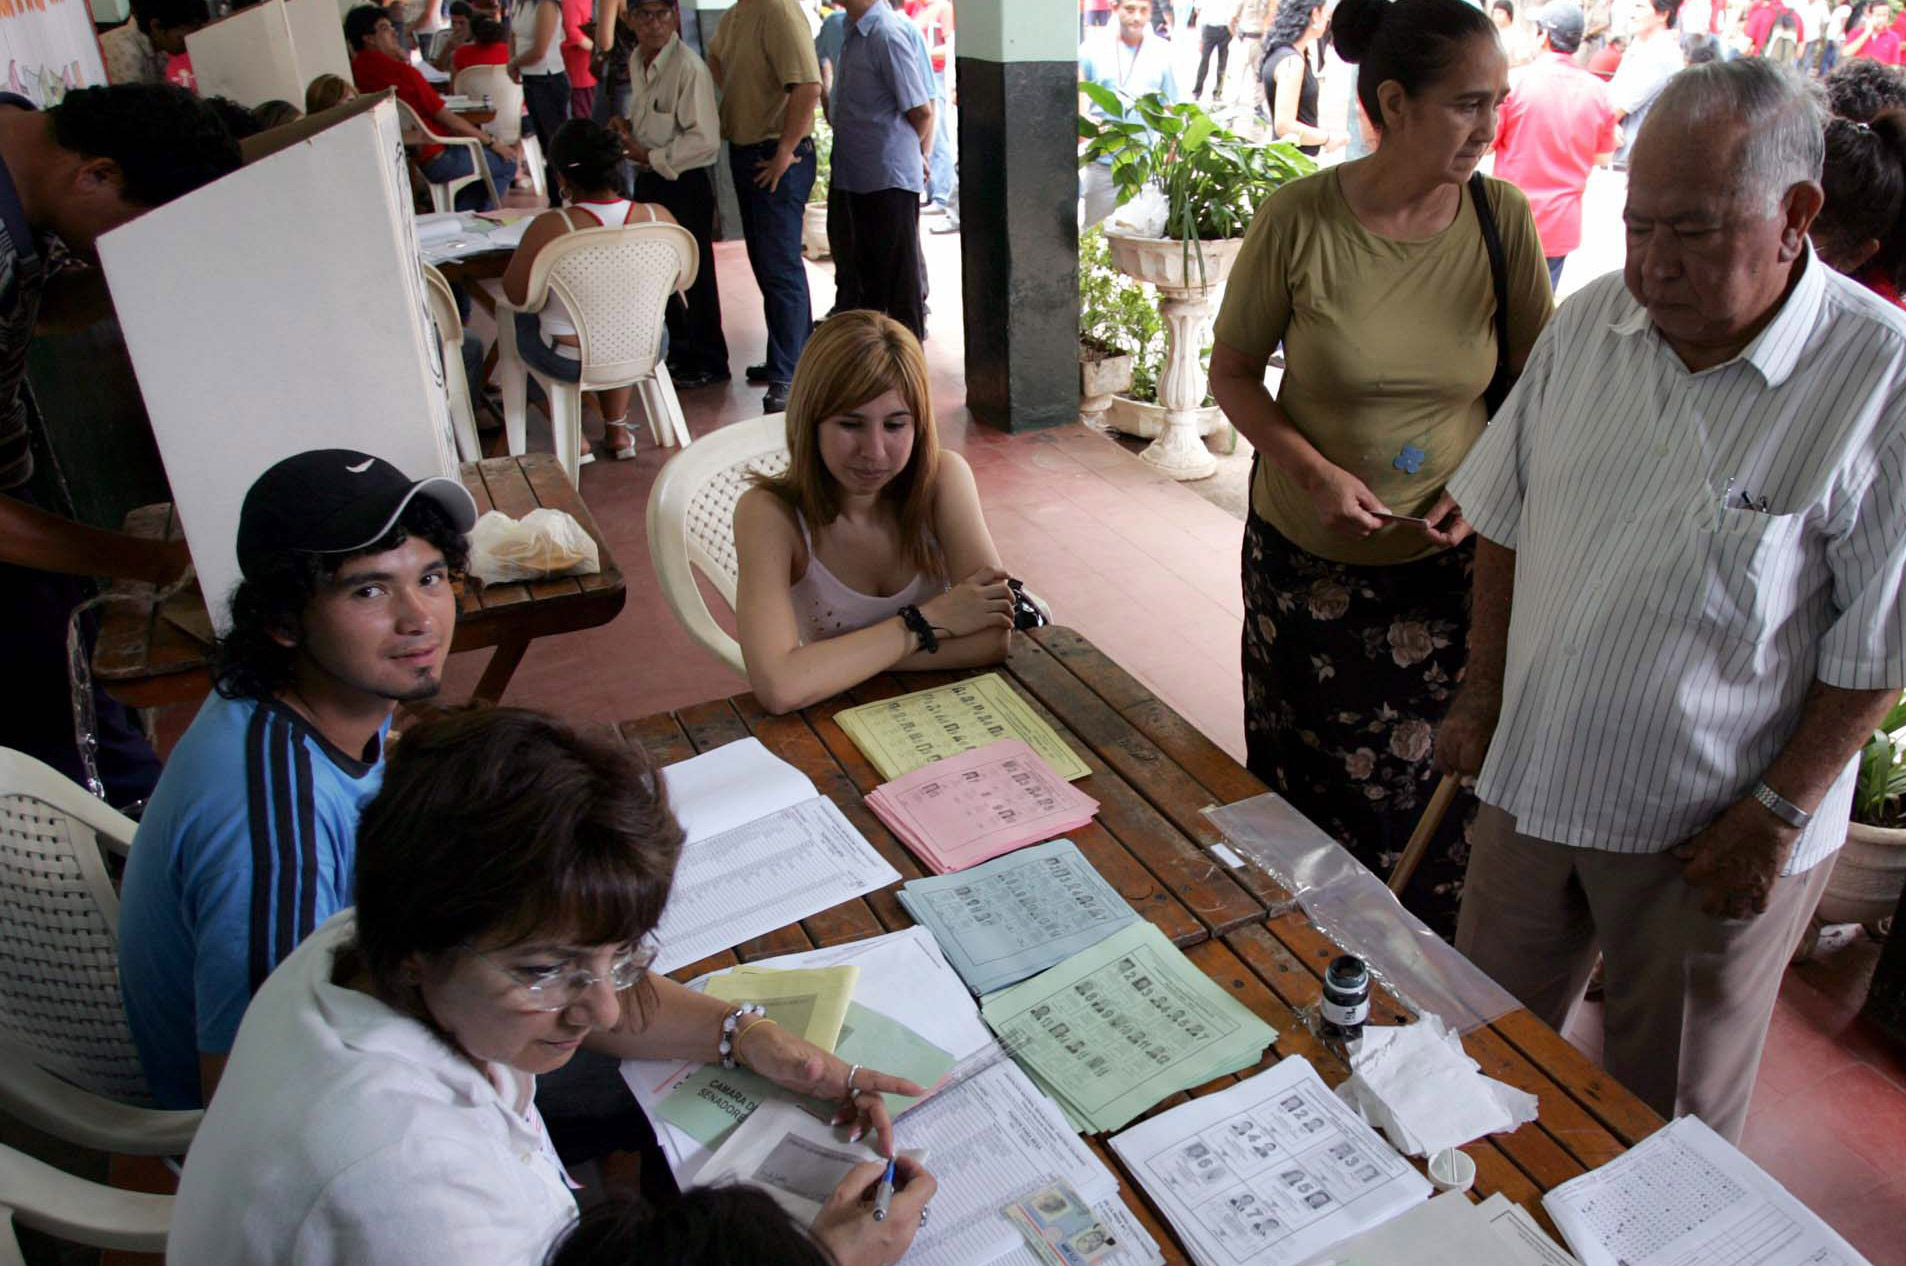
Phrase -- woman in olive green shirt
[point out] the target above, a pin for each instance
(1376, 279)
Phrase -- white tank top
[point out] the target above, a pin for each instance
(826, 607)
(523, 39)
(556, 318)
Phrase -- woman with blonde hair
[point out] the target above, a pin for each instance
(849, 560)
(326, 91)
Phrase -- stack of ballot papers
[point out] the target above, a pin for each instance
(988, 1141)
(1123, 1024)
(762, 850)
(1270, 1172)
(975, 805)
(1417, 1084)
(907, 1005)
(1016, 916)
(1685, 1196)
(900, 735)
(448, 235)
(1450, 1231)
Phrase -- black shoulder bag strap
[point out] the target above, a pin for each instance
(1498, 389)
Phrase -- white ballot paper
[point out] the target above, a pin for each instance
(1512, 1222)
(990, 1140)
(1270, 1172)
(1447, 1231)
(1685, 1196)
(762, 851)
(1417, 1084)
(902, 975)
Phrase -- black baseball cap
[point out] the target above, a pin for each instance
(334, 501)
(1563, 21)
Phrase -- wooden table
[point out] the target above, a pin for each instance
(146, 659)
(1152, 773)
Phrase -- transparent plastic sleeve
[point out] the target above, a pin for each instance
(1354, 908)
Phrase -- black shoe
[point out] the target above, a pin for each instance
(690, 379)
(776, 401)
(758, 375)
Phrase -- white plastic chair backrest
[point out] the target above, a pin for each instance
(506, 99)
(691, 521)
(59, 932)
(615, 281)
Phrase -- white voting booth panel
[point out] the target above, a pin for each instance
(281, 309)
(271, 51)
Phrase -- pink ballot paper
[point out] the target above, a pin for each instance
(976, 805)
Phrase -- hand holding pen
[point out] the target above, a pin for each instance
(872, 1217)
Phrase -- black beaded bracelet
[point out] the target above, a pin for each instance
(921, 628)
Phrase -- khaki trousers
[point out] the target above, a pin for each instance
(1688, 997)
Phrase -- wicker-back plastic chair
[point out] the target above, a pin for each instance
(691, 521)
(67, 1062)
(75, 1210)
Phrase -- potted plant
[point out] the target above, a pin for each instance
(1869, 872)
(1210, 182)
(1117, 314)
(814, 215)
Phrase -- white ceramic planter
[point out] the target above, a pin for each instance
(1099, 381)
(814, 231)
(1149, 421)
(1868, 874)
(1185, 290)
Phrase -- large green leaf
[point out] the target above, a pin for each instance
(1102, 97)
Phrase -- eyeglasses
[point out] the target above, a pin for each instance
(651, 15)
(560, 987)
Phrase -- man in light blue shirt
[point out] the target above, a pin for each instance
(882, 111)
(1130, 59)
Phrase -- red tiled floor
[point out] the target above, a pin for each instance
(1149, 570)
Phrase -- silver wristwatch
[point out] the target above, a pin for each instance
(1781, 807)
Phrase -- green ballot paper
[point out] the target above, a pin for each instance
(713, 1100)
(1119, 1026)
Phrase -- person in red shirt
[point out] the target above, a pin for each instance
(1761, 16)
(1861, 230)
(1872, 40)
(1607, 60)
(1555, 126)
(578, 17)
(377, 64)
(489, 45)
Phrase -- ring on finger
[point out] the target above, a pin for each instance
(923, 1214)
(852, 1072)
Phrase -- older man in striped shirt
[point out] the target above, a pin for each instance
(1688, 608)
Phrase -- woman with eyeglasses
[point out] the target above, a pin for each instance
(378, 1106)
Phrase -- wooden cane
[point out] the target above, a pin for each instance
(1419, 841)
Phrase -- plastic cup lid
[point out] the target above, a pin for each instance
(1452, 1170)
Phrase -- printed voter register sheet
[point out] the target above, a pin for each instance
(762, 850)
(1270, 1172)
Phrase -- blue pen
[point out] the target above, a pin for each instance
(883, 1195)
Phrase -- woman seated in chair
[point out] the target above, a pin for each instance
(377, 1108)
(848, 562)
(586, 157)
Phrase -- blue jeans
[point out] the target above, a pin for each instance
(940, 166)
(1555, 263)
(771, 226)
(455, 162)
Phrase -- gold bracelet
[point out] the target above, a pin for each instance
(743, 1032)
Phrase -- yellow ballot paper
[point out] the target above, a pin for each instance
(901, 735)
(811, 1002)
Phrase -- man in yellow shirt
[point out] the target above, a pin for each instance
(762, 57)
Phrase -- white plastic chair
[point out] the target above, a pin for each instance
(506, 98)
(691, 521)
(67, 1062)
(443, 194)
(443, 309)
(72, 1209)
(615, 282)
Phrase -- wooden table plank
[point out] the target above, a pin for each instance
(487, 596)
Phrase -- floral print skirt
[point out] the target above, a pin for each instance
(1347, 672)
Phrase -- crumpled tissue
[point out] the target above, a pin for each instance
(1144, 216)
(542, 543)
(1415, 1083)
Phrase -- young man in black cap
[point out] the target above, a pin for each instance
(345, 609)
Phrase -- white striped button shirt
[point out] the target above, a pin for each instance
(1661, 643)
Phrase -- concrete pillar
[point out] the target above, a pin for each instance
(1018, 102)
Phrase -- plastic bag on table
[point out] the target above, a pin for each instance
(542, 544)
